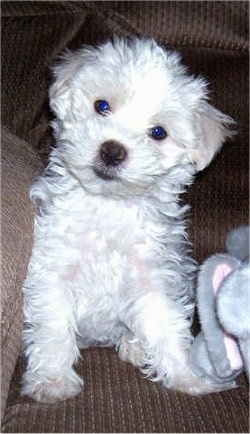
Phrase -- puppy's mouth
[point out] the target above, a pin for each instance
(107, 174)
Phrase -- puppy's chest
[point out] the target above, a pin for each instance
(109, 228)
(110, 234)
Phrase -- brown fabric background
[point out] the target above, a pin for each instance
(213, 39)
(116, 398)
(20, 167)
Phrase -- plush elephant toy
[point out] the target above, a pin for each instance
(221, 350)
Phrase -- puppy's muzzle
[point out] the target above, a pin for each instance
(111, 155)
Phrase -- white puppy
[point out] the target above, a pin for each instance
(109, 265)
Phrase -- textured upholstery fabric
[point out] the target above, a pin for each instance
(20, 166)
(212, 36)
(116, 398)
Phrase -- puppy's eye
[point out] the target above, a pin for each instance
(158, 133)
(102, 107)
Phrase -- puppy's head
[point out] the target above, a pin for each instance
(129, 116)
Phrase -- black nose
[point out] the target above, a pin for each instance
(112, 153)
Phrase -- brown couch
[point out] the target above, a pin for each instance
(213, 39)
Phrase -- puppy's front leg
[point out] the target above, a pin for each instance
(49, 342)
(162, 325)
(161, 328)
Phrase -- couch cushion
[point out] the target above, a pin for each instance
(116, 398)
(20, 166)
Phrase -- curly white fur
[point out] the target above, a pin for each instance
(109, 264)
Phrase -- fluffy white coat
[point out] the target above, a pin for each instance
(109, 264)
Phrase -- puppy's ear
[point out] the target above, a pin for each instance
(60, 91)
(213, 129)
(64, 74)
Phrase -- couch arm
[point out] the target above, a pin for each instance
(20, 166)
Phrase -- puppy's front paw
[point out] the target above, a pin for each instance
(188, 382)
(52, 389)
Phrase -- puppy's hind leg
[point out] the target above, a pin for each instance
(49, 342)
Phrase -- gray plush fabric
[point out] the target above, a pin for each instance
(208, 355)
